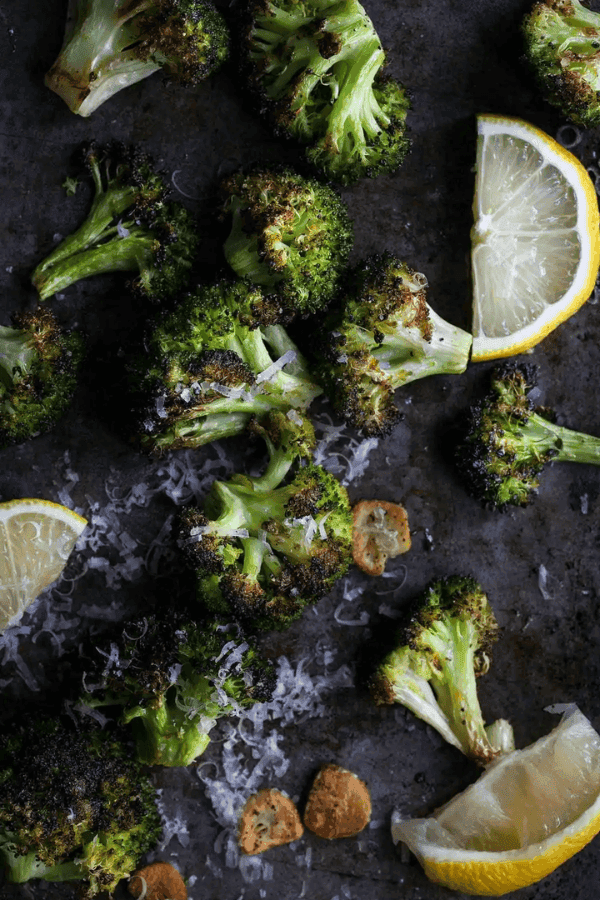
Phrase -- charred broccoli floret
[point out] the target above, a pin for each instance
(263, 548)
(383, 335)
(73, 806)
(289, 234)
(210, 365)
(130, 228)
(111, 44)
(562, 46)
(172, 678)
(506, 444)
(39, 363)
(316, 67)
(439, 652)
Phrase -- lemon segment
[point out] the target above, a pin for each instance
(535, 242)
(36, 540)
(524, 817)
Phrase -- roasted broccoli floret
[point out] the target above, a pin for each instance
(172, 678)
(210, 365)
(439, 652)
(383, 335)
(505, 444)
(74, 806)
(290, 234)
(316, 67)
(111, 44)
(130, 228)
(263, 548)
(562, 46)
(39, 363)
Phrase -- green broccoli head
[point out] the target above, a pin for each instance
(315, 68)
(131, 227)
(73, 806)
(441, 649)
(382, 335)
(211, 365)
(562, 46)
(111, 44)
(39, 363)
(263, 548)
(291, 235)
(172, 678)
(505, 444)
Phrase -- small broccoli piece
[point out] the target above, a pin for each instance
(39, 362)
(130, 228)
(439, 652)
(73, 806)
(172, 678)
(383, 335)
(111, 44)
(315, 68)
(218, 359)
(263, 548)
(562, 46)
(289, 234)
(505, 445)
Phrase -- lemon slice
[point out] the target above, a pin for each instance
(526, 815)
(535, 244)
(36, 539)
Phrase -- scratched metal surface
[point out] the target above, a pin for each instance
(539, 565)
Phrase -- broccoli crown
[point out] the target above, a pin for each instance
(290, 234)
(131, 227)
(382, 335)
(263, 548)
(173, 678)
(73, 806)
(111, 44)
(39, 363)
(505, 444)
(562, 45)
(210, 365)
(439, 651)
(315, 67)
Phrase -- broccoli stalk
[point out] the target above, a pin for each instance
(266, 547)
(316, 69)
(73, 806)
(172, 678)
(39, 362)
(211, 365)
(289, 234)
(506, 445)
(129, 228)
(384, 335)
(111, 44)
(562, 46)
(439, 653)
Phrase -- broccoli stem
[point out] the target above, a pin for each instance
(194, 432)
(241, 252)
(168, 735)
(355, 107)
(16, 354)
(21, 868)
(567, 445)
(123, 254)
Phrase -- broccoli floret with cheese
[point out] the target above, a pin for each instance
(130, 227)
(383, 334)
(265, 547)
(289, 234)
(316, 68)
(74, 806)
(562, 46)
(172, 678)
(112, 44)
(439, 652)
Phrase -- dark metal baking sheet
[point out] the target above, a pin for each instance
(539, 565)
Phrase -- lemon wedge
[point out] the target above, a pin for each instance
(525, 815)
(535, 242)
(36, 540)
